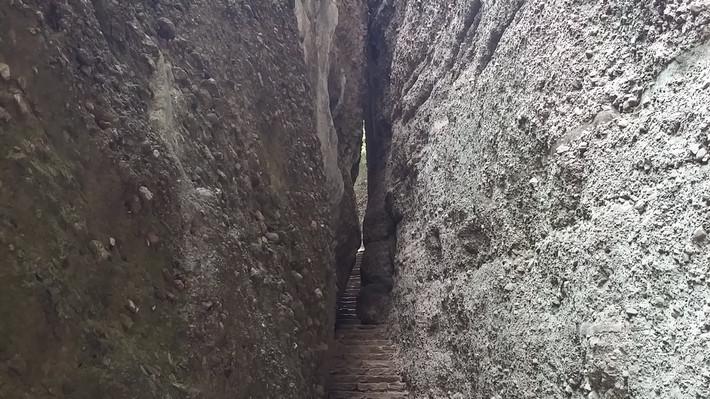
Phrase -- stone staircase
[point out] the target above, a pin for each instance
(363, 366)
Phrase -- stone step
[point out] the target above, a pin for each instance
(389, 378)
(362, 366)
(388, 373)
(367, 395)
(362, 337)
(364, 328)
(366, 356)
(356, 321)
(368, 386)
(356, 342)
(360, 348)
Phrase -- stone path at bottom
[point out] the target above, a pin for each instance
(363, 366)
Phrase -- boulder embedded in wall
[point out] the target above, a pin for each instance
(317, 22)
(332, 37)
(373, 303)
(377, 225)
(377, 263)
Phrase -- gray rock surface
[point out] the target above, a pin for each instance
(332, 37)
(373, 303)
(546, 161)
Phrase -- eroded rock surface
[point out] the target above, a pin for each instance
(165, 229)
(332, 37)
(543, 168)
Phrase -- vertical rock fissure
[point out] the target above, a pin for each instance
(331, 34)
(379, 236)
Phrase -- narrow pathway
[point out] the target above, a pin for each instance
(363, 364)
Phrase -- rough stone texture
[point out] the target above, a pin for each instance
(332, 36)
(377, 263)
(363, 364)
(374, 303)
(548, 161)
(164, 223)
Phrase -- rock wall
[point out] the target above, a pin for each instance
(165, 229)
(543, 169)
(332, 36)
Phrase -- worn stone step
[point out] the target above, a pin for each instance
(390, 373)
(377, 343)
(368, 386)
(366, 378)
(345, 349)
(362, 337)
(362, 366)
(363, 329)
(367, 395)
(356, 321)
(371, 395)
(368, 356)
(362, 363)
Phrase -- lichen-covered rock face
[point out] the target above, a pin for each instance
(165, 229)
(549, 163)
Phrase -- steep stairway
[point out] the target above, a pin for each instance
(363, 366)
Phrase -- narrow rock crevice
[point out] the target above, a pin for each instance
(178, 217)
(364, 364)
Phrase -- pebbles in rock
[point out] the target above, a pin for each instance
(213, 119)
(640, 206)
(132, 307)
(631, 311)
(99, 250)
(700, 235)
(4, 71)
(562, 149)
(273, 237)
(205, 193)
(145, 193)
(152, 239)
(21, 104)
(694, 148)
(166, 28)
(179, 74)
(4, 115)
(104, 118)
(126, 322)
(84, 57)
(211, 86)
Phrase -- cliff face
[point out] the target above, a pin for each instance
(164, 226)
(332, 37)
(543, 169)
